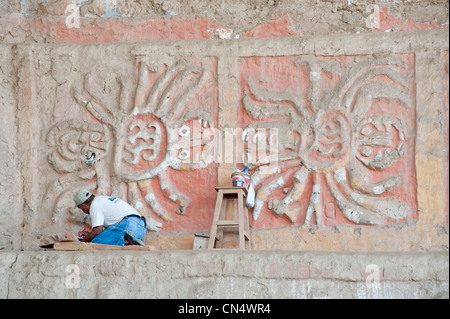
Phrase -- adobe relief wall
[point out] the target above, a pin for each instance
(158, 103)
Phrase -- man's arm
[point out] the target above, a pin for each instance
(91, 235)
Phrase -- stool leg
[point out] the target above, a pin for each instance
(247, 229)
(217, 210)
(241, 220)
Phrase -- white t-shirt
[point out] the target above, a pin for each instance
(108, 210)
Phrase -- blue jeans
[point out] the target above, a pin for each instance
(114, 234)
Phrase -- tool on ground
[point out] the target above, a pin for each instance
(130, 236)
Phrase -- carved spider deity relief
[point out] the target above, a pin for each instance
(346, 138)
(135, 144)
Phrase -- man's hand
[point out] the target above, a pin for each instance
(88, 236)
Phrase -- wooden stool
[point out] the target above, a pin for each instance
(241, 224)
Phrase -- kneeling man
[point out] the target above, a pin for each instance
(123, 224)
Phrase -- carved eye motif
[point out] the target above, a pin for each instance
(380, 141)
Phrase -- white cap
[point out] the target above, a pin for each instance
(81, 197)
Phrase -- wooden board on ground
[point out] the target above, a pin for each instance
(79, 246)
(49, 241)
